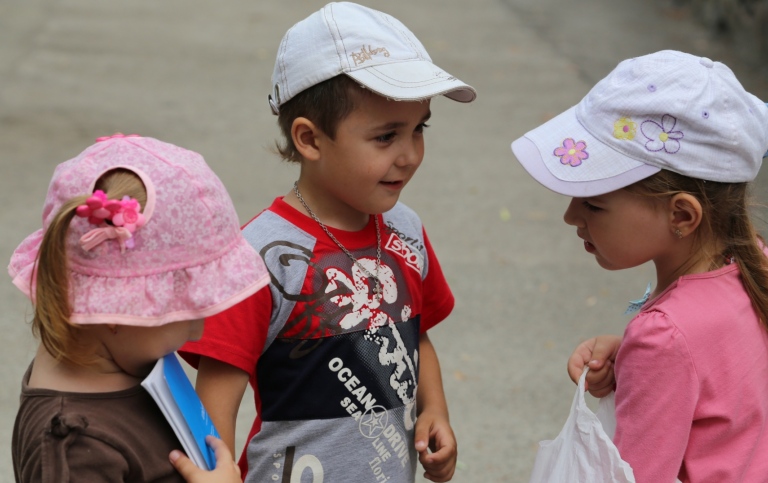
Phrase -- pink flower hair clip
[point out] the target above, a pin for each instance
(129, 216)
(114, 219)
(98, 208)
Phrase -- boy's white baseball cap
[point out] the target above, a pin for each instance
(373, 48)
(667, 110)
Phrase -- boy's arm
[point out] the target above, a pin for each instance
(433, 430)
(599, 353)
(221, 387)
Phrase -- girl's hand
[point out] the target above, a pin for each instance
(433, 432)
(226, 470)
(599, 353)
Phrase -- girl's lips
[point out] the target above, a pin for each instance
(590, 248)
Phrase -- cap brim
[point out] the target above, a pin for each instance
(603, 171)
(412, 81)
(184, 293)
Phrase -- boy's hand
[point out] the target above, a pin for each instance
(433, 432)
(599, 353)
(226, 470)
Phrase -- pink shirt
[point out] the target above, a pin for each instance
(692, 384)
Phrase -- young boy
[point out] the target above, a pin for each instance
(335, 348)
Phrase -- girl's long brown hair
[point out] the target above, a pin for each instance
(52, 299)
(726, 222)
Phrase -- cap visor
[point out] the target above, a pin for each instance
(155, 299)
(530, 157)
(412, 81)
(189, 293)
(602, 170)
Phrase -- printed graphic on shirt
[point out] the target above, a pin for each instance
(412, 258)
(351, 373)
(412, 241)
(337, 380)
(387, 456)
(337, 295)
(356, 389)
(338, 383)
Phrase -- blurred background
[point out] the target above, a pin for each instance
(197, 73)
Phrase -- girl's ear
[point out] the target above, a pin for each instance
(685, 214)
(305, 137)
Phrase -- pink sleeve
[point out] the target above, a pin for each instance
(235, 336)
(656, 395)
(437, 301)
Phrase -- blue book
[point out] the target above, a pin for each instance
(170, 388)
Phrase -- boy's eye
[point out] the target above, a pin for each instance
(590, 206)
(385, 138)
(421, 127)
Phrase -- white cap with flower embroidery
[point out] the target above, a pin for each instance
(667, 110)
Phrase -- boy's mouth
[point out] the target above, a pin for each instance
(393, 184)
(590, 248)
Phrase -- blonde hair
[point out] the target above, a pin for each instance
(53, 309)
(726, 222)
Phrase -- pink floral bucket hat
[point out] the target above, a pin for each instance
(180, 258)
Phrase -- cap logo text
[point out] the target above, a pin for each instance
(367, 54)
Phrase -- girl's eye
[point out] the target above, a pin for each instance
(385, 138)
(421, 127)
(591, 207)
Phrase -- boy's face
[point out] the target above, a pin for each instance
(376, 151)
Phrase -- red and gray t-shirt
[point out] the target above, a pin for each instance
(334, 369)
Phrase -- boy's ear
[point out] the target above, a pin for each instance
(305, 137)
(685, 214)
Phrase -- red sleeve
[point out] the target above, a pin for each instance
(235, 336)
(438, 301)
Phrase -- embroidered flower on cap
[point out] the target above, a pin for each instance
(662, 137)
(572, 153)
(625, 128)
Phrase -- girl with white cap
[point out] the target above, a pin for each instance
(657, 158)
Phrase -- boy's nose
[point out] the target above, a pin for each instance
(571, 215)
(411, 154)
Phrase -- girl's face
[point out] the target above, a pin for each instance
(136, 349)
(623, 229)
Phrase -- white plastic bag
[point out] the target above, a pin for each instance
(583, 451)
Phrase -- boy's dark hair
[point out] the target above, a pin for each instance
(325, 104)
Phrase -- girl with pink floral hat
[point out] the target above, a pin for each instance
(140, 242)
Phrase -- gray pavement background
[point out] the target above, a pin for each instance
(197, 74)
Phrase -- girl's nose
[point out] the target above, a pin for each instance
(571, 215)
